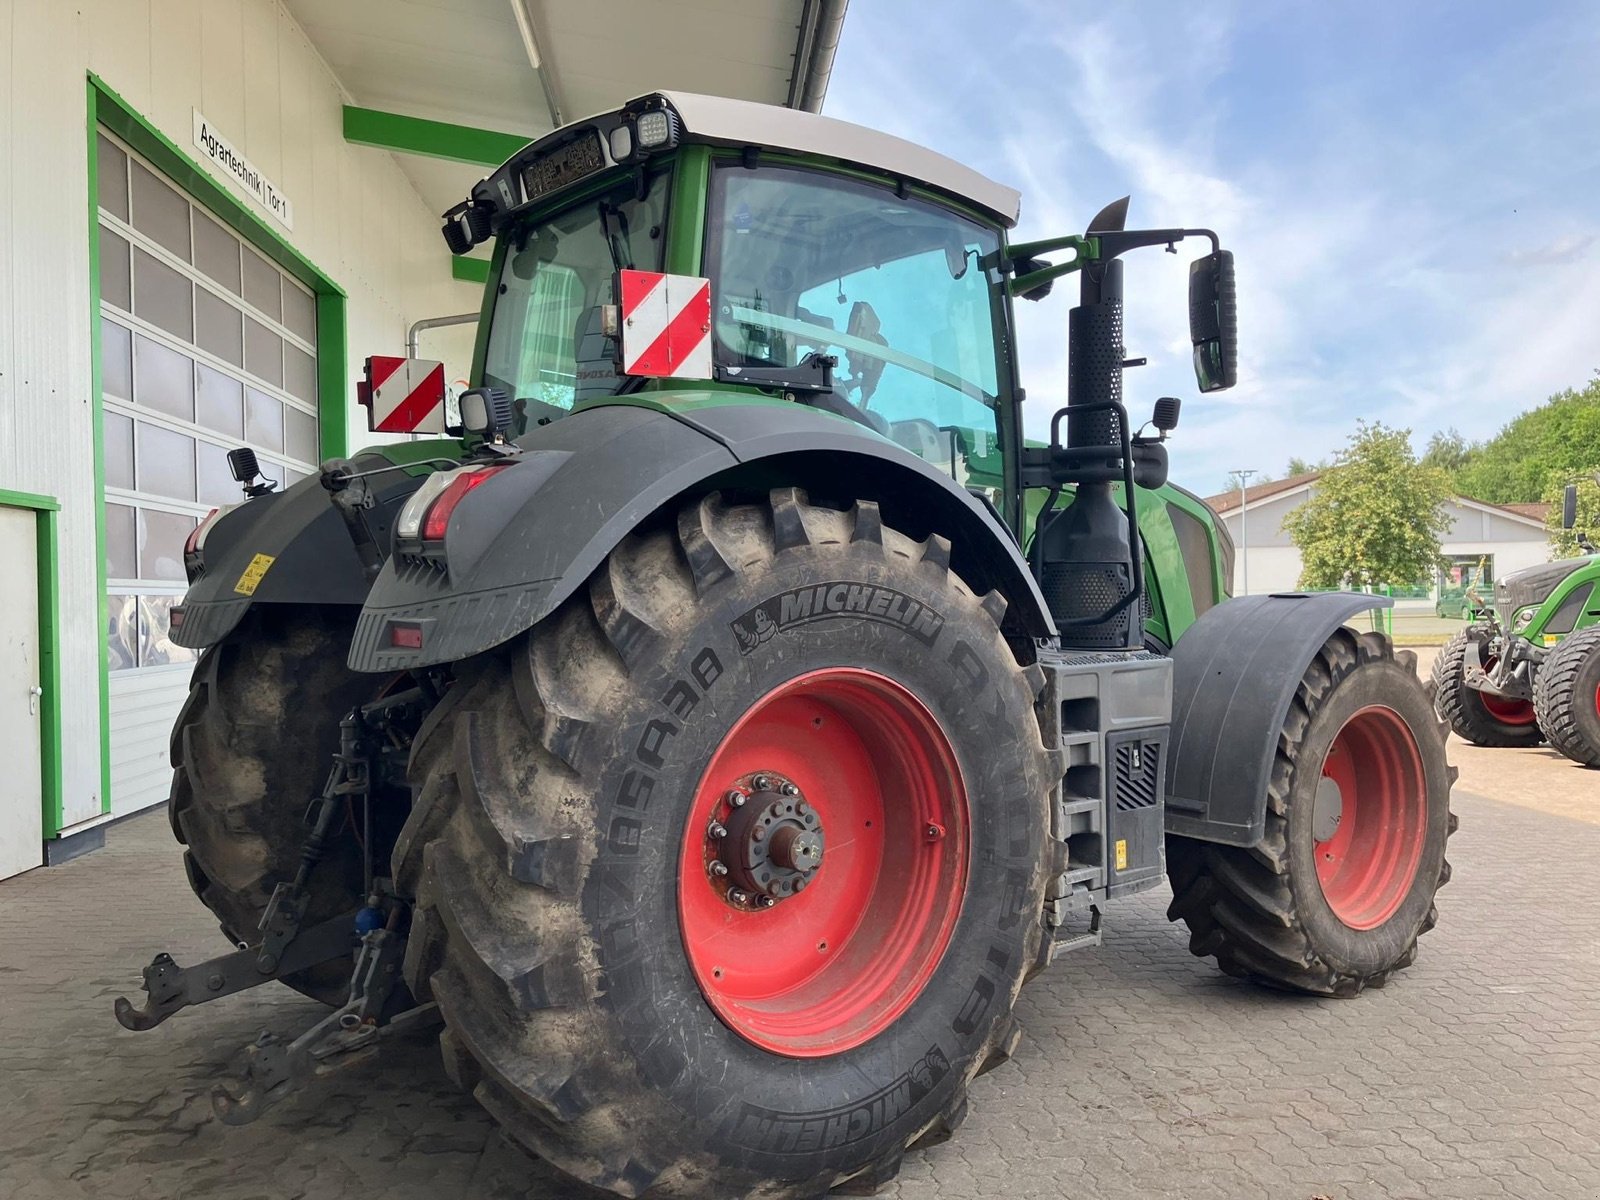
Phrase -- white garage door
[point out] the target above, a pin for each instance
(204, 345)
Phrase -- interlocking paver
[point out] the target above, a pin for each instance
(1475, 1075)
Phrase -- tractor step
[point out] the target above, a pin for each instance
(1107, 713)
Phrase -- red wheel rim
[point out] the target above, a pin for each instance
(1366, 867)
(1504, 709)
(828, 967)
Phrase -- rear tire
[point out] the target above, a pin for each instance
(1334, 896)
(1473, 716)
(251, 747)
(560, 856)
(1567, 697)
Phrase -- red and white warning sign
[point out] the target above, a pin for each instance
(666, 325)
(403, 395)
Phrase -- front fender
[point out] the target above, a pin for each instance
(1234, 676)
(519, 546)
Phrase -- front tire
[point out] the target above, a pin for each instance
(1475, 716)
(606, 996)
(1567, 697)
(1335, 895)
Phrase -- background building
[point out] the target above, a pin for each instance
(1504, 538)
(211, 211)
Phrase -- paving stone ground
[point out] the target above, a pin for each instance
(1144, 1073)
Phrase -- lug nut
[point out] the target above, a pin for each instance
(738, 897)
(761, 783)
(736, 798)
(717, 830)
(789, 789)
(767, 901)
(718, 867)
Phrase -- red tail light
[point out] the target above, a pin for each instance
(437, 521)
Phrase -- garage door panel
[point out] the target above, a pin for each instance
(205, 345)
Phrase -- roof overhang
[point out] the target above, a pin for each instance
(524, 67)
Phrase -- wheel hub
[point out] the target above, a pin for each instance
(766, 841)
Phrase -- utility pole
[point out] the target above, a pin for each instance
(1240, 478)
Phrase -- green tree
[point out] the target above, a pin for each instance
(1376, 516)
(1448, 451)
(1550, 444)
(1301, 466)
(1564, 543)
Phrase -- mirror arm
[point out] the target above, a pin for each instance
(1120, 242)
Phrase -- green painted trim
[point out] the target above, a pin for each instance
(98, 100)
(52, 762)
(469, 270)
(33, 500)
(47, 557)
(333, 360)
(430, 139)
(688, 209)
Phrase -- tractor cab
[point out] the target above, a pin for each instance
(847, 270)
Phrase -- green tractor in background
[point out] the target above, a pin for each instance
(1529, 670)
(730, 720)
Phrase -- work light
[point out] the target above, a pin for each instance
(653, 129)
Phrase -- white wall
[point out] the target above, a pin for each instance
(252, 72)
(1274, 563)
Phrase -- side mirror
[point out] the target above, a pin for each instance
(1214, 321)
(1569, 507)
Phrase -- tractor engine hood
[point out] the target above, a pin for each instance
(1532, 585)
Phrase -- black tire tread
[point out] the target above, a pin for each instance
(1462, 707)
(1237, 901)
(1556, 699)
(251, 746)
(531, 1050)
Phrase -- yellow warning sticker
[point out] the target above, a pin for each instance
(254, 574)
(1122, 854)
(1550, 639)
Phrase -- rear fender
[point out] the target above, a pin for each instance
(1234, 676)
(520, 545)
(289, 547)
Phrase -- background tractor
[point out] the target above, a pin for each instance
(740, 710)
(1529, 670)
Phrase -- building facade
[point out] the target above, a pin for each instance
(1503, 539)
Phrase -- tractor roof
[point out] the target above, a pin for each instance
(725, 122)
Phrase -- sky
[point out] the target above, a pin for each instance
(1411, 191)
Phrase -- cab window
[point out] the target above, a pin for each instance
(804, 262)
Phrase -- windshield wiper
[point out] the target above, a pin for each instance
(620, 259)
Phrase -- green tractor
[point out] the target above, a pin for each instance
(730, 720)
(1529, 670)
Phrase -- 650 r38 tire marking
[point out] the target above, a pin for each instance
(1335, 895)
(549, 851)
